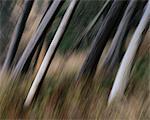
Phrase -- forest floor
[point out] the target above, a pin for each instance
(61, 97)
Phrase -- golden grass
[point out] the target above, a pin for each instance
(61, 97)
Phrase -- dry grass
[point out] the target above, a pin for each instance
(62, 98)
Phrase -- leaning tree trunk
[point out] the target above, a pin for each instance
(113, 53)
(90, 64)
(118, 54)
(27, 65)
(36, 39)
(14, 42)
(42, 42)
(50, 53)
(100, 15)
(127, 62)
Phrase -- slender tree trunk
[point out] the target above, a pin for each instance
(114, 50)
(14, 43)
(90, 64)
(118, 54)
(122, 76)
(89, 27)
(41, 44)
(50, 53)
(36, 39)
(27, 65)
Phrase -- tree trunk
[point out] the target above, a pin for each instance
(122, 76)
(89, 27)
(27, 65)
(90, 64)
(50, 53)
(120, 36)
(118, 54)
(17, 35)
(36, 39)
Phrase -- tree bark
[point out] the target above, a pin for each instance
(122, 76)
(50, 53)
(17, 35)
(120, 36)
(27, 65)
(90, 64)
(36, 39)
(99, 16)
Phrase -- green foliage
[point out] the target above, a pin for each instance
(83, 15)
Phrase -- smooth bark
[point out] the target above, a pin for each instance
(120, 36)
(123, 74)
(50, 53)
(36, 38)
(27, 65)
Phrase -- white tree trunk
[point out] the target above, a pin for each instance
(35, 40)
(121, 31)
(122, 76)
(51, 50)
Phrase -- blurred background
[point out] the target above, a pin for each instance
(59, 97)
